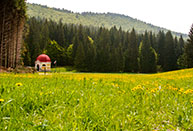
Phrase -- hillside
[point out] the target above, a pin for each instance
(107, 20)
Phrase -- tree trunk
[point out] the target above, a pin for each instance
(11, 30)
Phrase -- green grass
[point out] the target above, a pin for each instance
(86, 101)
(62, 69)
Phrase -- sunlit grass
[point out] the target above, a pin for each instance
(97, 101)
(62, 69)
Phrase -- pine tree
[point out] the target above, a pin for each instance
(80, 57)
(161, 48)
(60, 38)
(120, 57)
(103, 51)
(153, 60)
(69, 53)
(147, 56)
(90, 54)
(133, 49)
(25, 54)
(189, 50)
(170, 62)
(126, 53)
(176, 50)
(181, 45)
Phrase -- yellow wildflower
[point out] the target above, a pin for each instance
(18, 84)
(191, 102)
(181, 90)
(1, 100)
(152, 91)
(188, 91)
(133, 89)
(41, 93)
(139, 86)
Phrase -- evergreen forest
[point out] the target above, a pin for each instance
(91, 49)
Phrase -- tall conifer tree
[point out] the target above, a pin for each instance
(133, 49)
(147, 55)
(80, 57)
(170, 62)
(189, 49)
(161, 48)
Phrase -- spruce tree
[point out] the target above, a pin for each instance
(147, 56)
(90, 54)
(189, 50)
(69, 53)
(153, 60)
(133, 52)
(120, 57)
(143, 54)
(170, 62)
(80, 58)
(181, 45)
(161, 49)
(126, 53)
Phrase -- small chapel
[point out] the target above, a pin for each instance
(43, 63)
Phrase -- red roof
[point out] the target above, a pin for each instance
(43, 58)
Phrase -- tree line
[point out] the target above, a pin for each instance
(92, 49)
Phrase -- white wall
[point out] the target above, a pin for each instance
(48, 65)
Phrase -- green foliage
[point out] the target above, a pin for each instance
(18, 6)
(63, 69)
(56, 52)
(182, 63)
(69, 53)
(25, 54)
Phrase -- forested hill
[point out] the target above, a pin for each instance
(106, 20)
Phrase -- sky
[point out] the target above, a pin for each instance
(175, 15)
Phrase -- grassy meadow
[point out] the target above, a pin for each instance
(97, 101)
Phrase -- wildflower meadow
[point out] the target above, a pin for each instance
(97, 101)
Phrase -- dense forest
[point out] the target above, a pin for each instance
(93, 49)
(107, 20)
